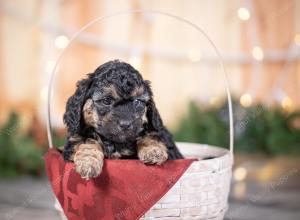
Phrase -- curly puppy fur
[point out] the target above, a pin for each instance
(112, 115)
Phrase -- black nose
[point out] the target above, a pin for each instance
(125, 124)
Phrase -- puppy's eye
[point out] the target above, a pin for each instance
(106, 101)
(138, 103)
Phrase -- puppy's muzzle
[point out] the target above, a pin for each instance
(125, 125)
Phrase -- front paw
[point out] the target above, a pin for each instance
(153, 154)
(88, 162)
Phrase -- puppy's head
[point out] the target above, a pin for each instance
(115, 101)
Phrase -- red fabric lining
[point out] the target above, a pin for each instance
(125, 190)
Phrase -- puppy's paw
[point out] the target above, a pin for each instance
(88, 167)
(153, 154)
(88, 161)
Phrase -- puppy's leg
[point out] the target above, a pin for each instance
(151, 151)
(88, 159)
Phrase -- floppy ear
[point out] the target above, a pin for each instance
(153, 117)
(72, 116)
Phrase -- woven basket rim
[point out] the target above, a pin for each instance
(218, 153)
(222, 151)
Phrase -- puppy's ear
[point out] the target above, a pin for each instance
(72, 116)
(153, 117)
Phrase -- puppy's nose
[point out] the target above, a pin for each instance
(125, 124)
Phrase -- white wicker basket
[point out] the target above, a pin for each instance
(202, 191)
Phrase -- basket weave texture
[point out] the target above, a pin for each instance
(202, 191)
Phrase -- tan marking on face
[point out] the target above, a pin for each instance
(144, 118)
(111, 90)
(137, 91)
(90, 116)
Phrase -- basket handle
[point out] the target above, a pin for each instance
(99, 19)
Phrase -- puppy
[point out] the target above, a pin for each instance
(112, 115)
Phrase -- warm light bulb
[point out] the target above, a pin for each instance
(297, 39)
(246, 100)
(214, 101)
(244, 14)
(61, 42)
(287, 104)
(257, 53)
(240, 173)
(194, 55)
(239, 190)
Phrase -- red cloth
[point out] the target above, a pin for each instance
(125, 190)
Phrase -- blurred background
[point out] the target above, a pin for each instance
(259, 42)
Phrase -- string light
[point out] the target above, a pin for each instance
(240, 173)
(257, 53)
(239, 190)
(61, 42)
(243, 14)
(93, 39)
(194, 55)
(297, 39)
(215, 101)
(246, 100)
(267, 172)
(287, 104)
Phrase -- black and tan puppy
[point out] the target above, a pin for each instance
(112, 115)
